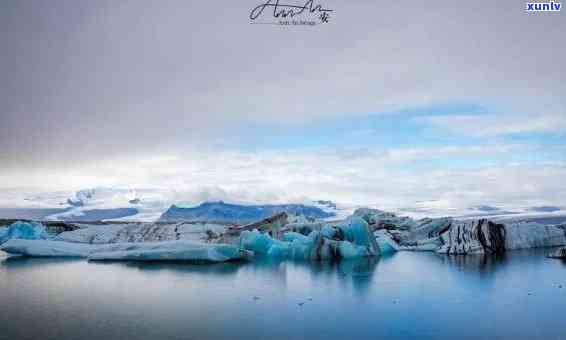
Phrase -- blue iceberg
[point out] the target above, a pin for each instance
(386, 244)
(351, 239)
(23, 230)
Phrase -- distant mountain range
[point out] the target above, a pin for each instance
(152, 204)
(235, 213)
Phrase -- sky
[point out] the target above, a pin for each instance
(389, 104)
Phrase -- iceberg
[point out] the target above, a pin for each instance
(140, 232)
(386, 244)
(428, 244)
(170, 251)
(258, 242)
(47, 248)
(487, 237)
(449, 236)
(23, 230)
(558, 254)
(351, 239)
(141, 251)
(428, 228)
(379, 219)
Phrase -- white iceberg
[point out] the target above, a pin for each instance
(486, 237)
(170, 251)
(23, 230)
(141, 251)
(140, 232)
(47, 248)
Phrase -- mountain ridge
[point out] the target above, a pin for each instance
(219, 211)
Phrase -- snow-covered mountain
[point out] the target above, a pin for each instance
(225, 212)
(149, 204)
(93, 204)
(127, 204)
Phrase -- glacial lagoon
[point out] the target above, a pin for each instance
(407, 295)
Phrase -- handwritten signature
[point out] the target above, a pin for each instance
(290, 11)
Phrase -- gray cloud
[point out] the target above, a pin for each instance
(85, 80)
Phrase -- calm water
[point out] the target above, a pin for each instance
(408, 295)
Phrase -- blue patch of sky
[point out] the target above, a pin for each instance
(385, 129)
(543, 138)
(402, 129)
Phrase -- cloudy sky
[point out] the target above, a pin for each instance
(390, 103)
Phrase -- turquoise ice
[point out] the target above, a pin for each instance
(350, 239)
(23, 230)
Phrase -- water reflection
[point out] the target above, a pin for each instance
(406, 295)
(481, 263)
(24, 262)
(362, 267)
(229, 268)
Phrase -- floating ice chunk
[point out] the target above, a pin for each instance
(356, 230)
(96, 234)
(142, 251)
(351, 240)
(140, 232)
(386, 244)
(23, 230)
(558, 253)
(47, 248)
(429, 228)
(378, 219)
(255, 241)
(170, 251)
(486, 237)
(534, 235)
